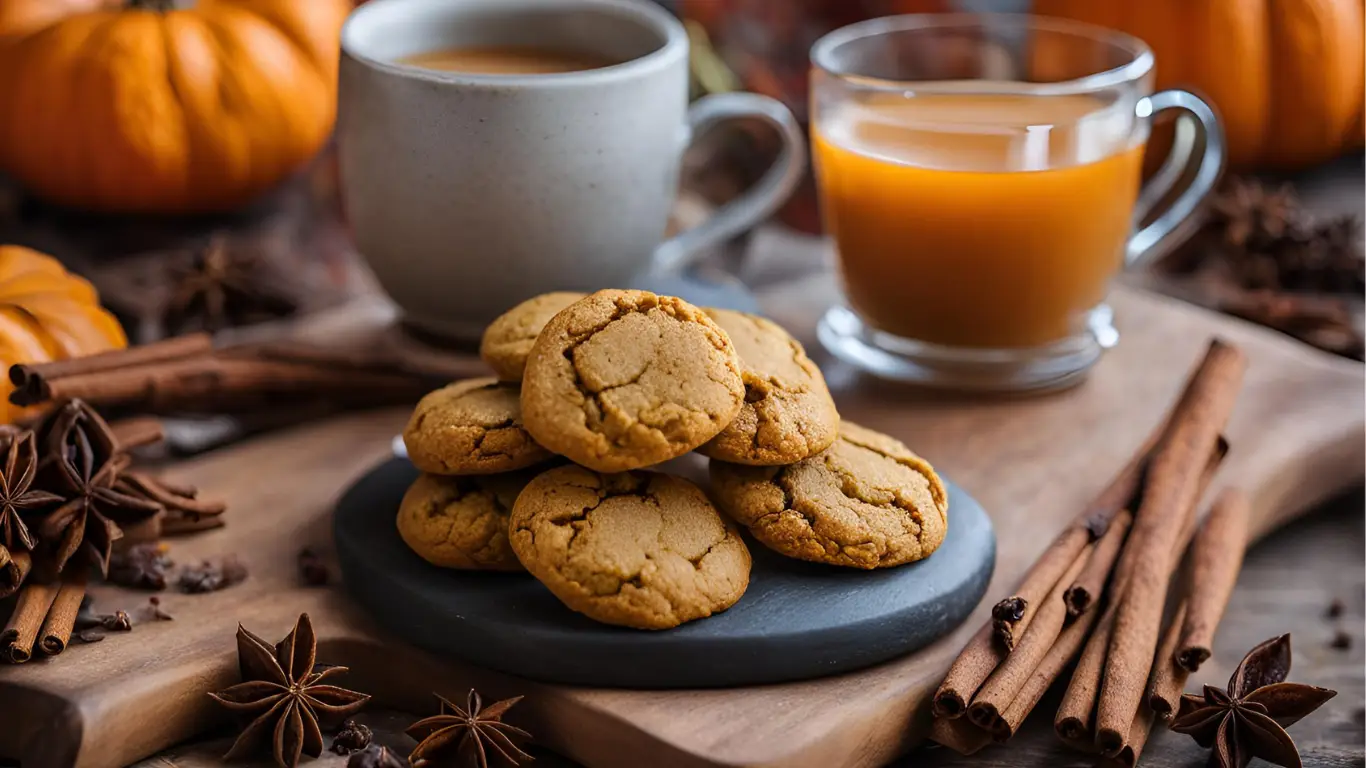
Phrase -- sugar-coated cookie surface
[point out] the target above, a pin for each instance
(471, 427)
(624, 379)
(509, 338)
(637, 549)
(462, 522)
(867, 501)
(788, 413)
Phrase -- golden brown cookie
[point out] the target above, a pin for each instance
(788, 413)
(471, 427)
(626, 379)
(865, 502)
(508, 339)
(462, 522)
(639, 549)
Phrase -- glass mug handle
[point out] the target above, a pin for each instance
(756, 203)
(1197, 119)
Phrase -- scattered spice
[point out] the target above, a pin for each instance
(211, 577)
(375, 756)
(89, 636)
(1260, 256)
(313, 568)
(17, 494)
(117, 622)
(1341, 641)
(467, 735)
(1336, 608)
(155, 611)
(284, 696)
(353, 737)
(1248, 719)
(141, 566)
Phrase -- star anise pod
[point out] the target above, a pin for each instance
(17, 494)
(467, 735)
(82, 464)
(1249, 718)
(285, 696)
(224, 286)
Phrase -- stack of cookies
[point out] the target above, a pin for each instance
(621, 380)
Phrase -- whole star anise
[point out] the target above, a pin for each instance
(82, 464)
(285, 696)
(17, 494)
(1249, 718)
(224, 286)
(467, 735)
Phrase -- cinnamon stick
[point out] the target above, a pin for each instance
(1168, 496)
(972, 667)
(1168, 678)
(958, 734)
(1076, 714)
(1005, 683)
(179, 526)
(61, 617)
(137, 432)
(1089, 583)
(1216, 558)
(1133, 745)
(1011, 616)
(177, 499)
(31, 380)
(1062, 653)
(14, 571)
(18, 636)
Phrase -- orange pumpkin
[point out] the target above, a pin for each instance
(1285, 75)
(47, 314)
(133, 107)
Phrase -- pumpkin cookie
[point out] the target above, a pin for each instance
(507, 341)
(625, 379)
(865, 502)
(639, 549)
(462, 522)
(788, 413)
(471, 427)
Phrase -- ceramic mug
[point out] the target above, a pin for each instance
(468, 193)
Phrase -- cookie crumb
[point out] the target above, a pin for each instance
(1341, 641)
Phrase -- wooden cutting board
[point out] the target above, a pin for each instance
(1297, 438)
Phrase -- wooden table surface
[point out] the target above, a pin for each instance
(1287, 585)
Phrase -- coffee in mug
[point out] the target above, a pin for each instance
(507, 60)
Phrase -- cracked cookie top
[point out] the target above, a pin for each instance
(471, 427)
(625, 379)
(637, 549)
(865, 502)
(462, 522)
(788, 413)
(508, 340)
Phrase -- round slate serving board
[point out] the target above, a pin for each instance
(796, 621)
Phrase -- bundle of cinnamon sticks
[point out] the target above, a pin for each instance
(1131, 591)
(186, 374)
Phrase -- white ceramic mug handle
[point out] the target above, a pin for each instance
(1196, 119)
(756, 203)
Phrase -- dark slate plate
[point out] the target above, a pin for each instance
(796, 621)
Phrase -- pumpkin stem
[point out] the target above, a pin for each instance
(160, 6)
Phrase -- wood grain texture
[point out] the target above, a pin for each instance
(1297, 437)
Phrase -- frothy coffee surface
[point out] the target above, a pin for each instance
(507, 60)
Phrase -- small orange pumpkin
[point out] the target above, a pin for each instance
(1285, 75)
(137, 107)
(47, 313)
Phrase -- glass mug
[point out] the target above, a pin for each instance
(980, 176)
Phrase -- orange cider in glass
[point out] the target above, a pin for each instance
(977, 219)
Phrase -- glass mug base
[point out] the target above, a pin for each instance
(1035, 369)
